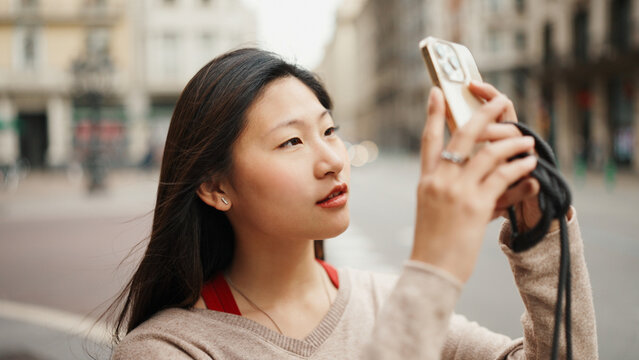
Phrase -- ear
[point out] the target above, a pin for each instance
(212, 195)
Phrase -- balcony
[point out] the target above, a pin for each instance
(49, 80)
(63, 15)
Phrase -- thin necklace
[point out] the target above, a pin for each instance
(254, 305)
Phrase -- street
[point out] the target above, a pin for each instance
(61, 250)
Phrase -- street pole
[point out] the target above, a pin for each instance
(92, 74)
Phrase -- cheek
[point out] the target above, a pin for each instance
(347, 164)
(274, 197)
(264, 185)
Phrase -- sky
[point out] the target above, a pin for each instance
(296, 29)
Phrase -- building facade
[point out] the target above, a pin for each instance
(178, 37)
(39, 42)
(149, 49)
(387, 101)
(570, 67)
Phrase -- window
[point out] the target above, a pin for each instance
(27, 46)
(620, 24)
(520, 40)
(492, 6)
(170, 53)
(98, 43)
(519, 78)
(548, 47)
(206, 40)
(96, 3)
(492, 43)
(207, 46)
(28, 4)
(580, 35)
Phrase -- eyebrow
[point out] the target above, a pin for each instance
(296, 121)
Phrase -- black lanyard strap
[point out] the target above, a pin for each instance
(554, 202)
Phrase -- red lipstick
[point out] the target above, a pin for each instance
(336, 198)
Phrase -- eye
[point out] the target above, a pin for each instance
(291, 142)
(331, 130)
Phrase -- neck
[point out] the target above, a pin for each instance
(272, 270)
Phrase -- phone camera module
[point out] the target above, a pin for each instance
(448, 69)
(449, 63)
(440, 49)
(454, 62)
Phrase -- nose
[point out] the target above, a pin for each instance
(329, 158)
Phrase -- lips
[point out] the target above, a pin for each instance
(335, 198)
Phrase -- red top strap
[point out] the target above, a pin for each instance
(217, 294)
(332, 273)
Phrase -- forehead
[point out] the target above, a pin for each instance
(281, 100)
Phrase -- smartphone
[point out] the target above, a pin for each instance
(451, 67)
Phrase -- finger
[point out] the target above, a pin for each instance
(498, 131)
(510, 115)
(488, 92)
(524, 190)
(433, 134)
(483, 90)
(465, 137)
(492, 155)
(530, 212)
(504, 175)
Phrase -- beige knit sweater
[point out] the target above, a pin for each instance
(381, 317)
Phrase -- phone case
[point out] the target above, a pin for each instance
(451, 67)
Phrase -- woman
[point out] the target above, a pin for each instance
(253, 172)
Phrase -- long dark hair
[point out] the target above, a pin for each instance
(191, 241)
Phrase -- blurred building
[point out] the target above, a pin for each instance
(386, 82)
(151, 47)
(39, 41)
(348, 70)
(178, 37)
(571, 68)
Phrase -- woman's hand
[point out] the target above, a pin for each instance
(455, 202)
(523, 196)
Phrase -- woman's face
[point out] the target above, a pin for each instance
(286, 163)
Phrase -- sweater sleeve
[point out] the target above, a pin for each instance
(417, 320)
(412, 322)
(536, 274)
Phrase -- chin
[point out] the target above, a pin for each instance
(335, 229)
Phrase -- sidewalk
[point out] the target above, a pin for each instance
(30, 332)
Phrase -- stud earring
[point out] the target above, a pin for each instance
(225, 201)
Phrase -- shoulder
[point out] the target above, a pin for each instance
(368, 278)
(373, 285)
(170, 334)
